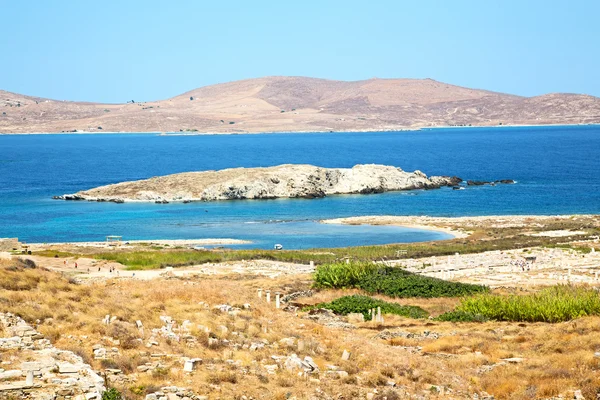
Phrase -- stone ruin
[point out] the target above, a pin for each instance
(55, 374)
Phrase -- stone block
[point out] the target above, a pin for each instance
(29, 378)
(66, 368)
(31, 366)
(11, 374)
(346, 355)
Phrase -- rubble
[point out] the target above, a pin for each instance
(57, 372)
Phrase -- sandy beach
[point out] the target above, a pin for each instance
(406, 222)
(460, 227)
(131, 244)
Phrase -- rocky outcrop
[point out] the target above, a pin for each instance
(492, 183)
(292, 181)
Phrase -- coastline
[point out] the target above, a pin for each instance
(403, 222)
(456, 227)
(450, 224)
(208, 133)
(150, 242)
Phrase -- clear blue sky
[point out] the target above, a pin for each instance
(114, 51)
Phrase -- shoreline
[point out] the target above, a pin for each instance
(458, 227)
(449, 224)
(208, 133)
(150, 242)
(380, 221)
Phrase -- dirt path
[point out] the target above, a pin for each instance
(88, 268)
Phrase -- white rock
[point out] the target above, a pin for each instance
(66, 368)
(346, 355)
(31, 366)
(11, 374)
(293, 362)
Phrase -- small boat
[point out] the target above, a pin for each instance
(278, 247)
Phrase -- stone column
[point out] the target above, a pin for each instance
(29, 379)
(268, 295)
(277, 301)
(259, 293)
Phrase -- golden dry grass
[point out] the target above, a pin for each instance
(557, 358)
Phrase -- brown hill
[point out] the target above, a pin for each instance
(273, 104)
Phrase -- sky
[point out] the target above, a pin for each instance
(114, 50)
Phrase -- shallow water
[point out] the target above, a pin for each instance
(557, 170)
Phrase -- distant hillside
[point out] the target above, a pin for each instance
(275, 104)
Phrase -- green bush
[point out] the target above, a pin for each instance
(461, 316)
(393, 282)
(362, 304)
(555, 304)
(112, 394)
(342, 275)
(396, 282)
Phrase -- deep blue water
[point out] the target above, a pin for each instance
(557, 170)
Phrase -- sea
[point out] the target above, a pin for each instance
(556, 169)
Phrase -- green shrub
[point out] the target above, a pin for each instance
(393, 282)
(554, 304)
(461, 316)
(342, 275)
(396, 282)
(112, 394)
(362, 304)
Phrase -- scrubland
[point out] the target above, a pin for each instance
(399, 358)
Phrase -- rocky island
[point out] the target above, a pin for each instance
(283, 181)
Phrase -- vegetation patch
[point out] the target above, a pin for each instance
(138, 260)
(343, 275)
(461, 316)
(554, 304)
(362, 304)
(55, 254)
(390, 281)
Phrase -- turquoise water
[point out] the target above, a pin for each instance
(556, 169)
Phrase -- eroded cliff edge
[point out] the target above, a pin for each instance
(283, 181)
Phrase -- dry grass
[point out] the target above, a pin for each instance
(558, 358)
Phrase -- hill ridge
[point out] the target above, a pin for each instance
(295, 103)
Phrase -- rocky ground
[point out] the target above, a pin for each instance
(33, 368)
(243, 335)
